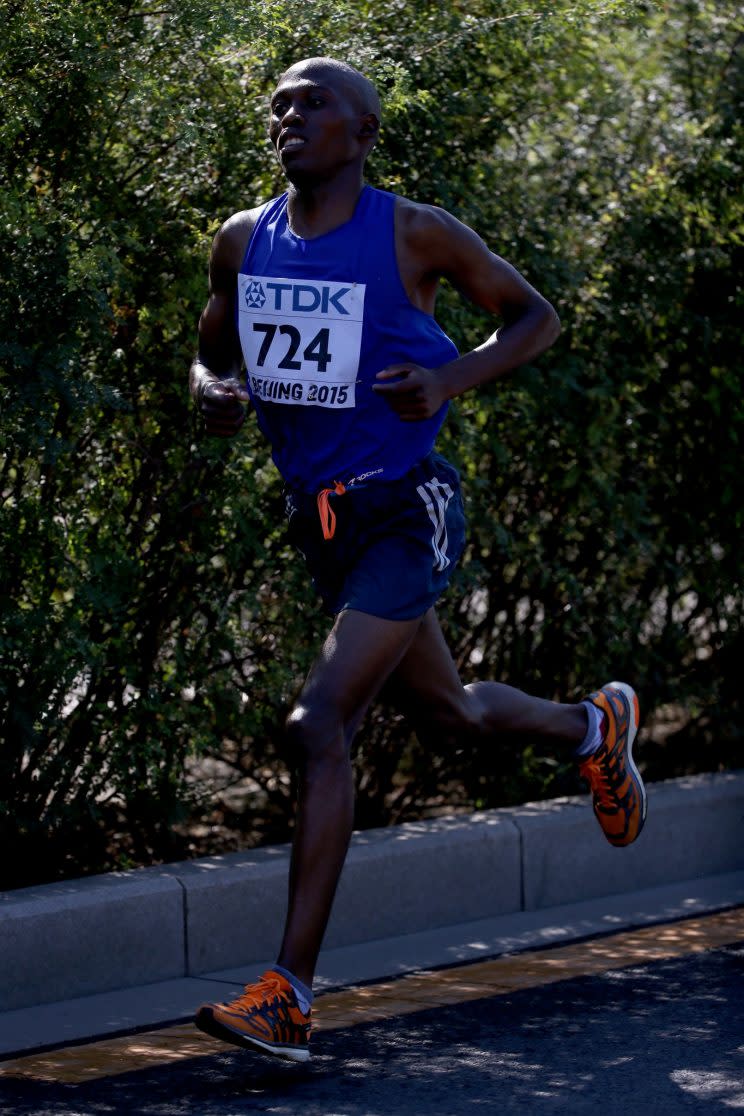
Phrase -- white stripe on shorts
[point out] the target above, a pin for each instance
(436, 496)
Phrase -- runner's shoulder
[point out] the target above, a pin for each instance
(232, 238)
(419, 218)
(426, 228)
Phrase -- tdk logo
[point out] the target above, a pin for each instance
(254, 294)
(303, 298)
(289, 297)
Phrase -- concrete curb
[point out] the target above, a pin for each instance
(81, 937)
(128, 1010)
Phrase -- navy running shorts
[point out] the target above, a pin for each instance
(395, 544)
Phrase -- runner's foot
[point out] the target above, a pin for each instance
(618, 794)
(266, 1018)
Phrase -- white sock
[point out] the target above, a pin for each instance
(595, 732)
(302, 993)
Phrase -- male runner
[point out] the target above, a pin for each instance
(326, 296)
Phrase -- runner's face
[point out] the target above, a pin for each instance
(314, 126)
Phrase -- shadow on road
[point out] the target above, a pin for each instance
(660, 1038)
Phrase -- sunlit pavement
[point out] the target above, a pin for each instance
(648, 1021)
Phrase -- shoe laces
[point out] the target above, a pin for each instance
(600, 781)
(255, 995)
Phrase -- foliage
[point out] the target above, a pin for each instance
(148, 584)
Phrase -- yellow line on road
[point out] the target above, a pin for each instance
(393, 998)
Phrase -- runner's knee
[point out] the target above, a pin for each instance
(316, 734)
(460, 715)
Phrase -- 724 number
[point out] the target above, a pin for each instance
(316, 350)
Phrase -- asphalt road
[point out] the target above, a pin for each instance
(664, 1037)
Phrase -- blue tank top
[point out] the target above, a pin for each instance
(318, 319)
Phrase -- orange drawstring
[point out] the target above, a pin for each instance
(326, 512)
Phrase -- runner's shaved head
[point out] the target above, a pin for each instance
(360, 88)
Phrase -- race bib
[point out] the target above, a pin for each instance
(301, 339)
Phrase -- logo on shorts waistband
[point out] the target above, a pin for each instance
(363, 477)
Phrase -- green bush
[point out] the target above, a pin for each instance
(153, 611)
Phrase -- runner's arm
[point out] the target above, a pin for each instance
(441, 246)
(215, 378)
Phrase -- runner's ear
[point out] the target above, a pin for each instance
(370, 125)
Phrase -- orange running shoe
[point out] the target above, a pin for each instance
(266, 1017)
(618, 793)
